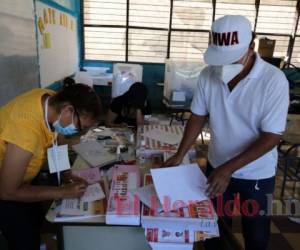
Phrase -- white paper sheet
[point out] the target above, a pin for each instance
(71, 206)
(93, 192)
(91, 175)
(94, 153)
(60, 155)
(163, 136)
(182, 184)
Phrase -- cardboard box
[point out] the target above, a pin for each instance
(266, 47)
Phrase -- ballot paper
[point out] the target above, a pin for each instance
(91, 175)
(122, 207)
(80, 164)
(182, 185)
(93, 192)
(76, 206)
(163, 136)
(147, 195)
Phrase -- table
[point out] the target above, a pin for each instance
(75, 235)
(94, 233)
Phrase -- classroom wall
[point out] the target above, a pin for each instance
(18, 52)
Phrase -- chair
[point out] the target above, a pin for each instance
(290, 167)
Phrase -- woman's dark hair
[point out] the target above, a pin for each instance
(68, 81)
(82, 97)
(136, 95)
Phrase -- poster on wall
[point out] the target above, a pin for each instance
(57, 43)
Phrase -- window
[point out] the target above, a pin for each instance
(103, 40)
(238, 7)
(153, 30)
(147, 45)
(277, 16)
(188, 45)
(149, 42)
(192, 14)
(191, 21)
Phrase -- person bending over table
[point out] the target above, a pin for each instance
(247, 101)
(129, 109)
(28, 126)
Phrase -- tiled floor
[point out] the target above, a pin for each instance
(285, 235)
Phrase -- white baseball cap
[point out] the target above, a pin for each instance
(230, 39)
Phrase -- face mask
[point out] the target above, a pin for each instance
(230, 71)
(68, 130)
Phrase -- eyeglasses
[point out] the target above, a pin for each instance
(78, 118)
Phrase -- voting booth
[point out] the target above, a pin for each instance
(124, 75)
(180, 82)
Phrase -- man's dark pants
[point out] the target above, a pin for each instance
(252, 202)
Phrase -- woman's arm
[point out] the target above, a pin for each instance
(12, 187)
(139, 117)
(110, 120)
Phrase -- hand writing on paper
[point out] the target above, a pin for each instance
(218, 181)
(68, 177)
(74, 190)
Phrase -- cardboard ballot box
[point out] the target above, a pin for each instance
(266, 47)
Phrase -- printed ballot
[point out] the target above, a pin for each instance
(184, 184)
(91, 204)
(92, 193)
(162, 135)
(123, 208)
(176, 228)
(91, 175)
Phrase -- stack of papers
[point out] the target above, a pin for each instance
(95, 153)
(171, 238)
(123, 208)
(176, 211)
(159, 137)
(91, 175)
(184, 183)
(91, 204)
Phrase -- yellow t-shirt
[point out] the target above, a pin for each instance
(22, 123)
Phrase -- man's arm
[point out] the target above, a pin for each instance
(219, 178)
(192, 130)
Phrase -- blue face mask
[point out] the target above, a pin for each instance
(68, 130)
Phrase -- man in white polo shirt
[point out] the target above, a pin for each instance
(246, 100)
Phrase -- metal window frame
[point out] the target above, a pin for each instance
(170, 30)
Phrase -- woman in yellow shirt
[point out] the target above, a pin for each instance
(28, 125)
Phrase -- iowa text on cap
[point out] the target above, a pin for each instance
(225, 39)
